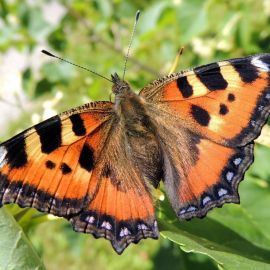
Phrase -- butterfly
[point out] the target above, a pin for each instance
(96, 165)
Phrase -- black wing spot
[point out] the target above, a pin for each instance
(50, 165)
(223, 109)
(212, 77)
(50, 134)
(265, 59)
(246, 70)
(184, 87)
(231, 97)
(86, 159)
(16, 152)
(200, 115)
(65, 168)
(77, 125)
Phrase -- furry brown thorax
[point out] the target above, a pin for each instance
(137, 128)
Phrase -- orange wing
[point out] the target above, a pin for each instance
(227, 102)
(49, 165)
(213, 179)
(207, 119)
(122, 209)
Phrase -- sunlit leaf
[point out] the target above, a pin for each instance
(16, 250)
(220, 242)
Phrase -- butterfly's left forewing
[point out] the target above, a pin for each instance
(207, 119)
(49, 166)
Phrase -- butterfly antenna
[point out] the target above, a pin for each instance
(130, 42)
(176, 60)
(64, 60)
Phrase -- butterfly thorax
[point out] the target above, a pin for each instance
(137, 129)
(130, 108)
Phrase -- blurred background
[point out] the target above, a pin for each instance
(95, 34)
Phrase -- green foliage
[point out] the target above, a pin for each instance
(95, 34)
(16, 250)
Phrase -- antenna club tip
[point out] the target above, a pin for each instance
(181, 50)
(47, 53)
(138, 15)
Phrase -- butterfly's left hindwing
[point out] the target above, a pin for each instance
(122, 208)
(207, 119)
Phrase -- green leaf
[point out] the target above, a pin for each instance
(43, 87)
(16, 250)
(217, 241)
(105, 8)
(3, 9)
(260, 168)
(149, 18)
(192, 19)
(57, 71)
(198, 25)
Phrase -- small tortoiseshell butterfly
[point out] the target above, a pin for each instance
(96, 165)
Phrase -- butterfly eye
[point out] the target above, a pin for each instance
(119, 86)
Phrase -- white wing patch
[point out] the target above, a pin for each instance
(260, 64)
(3, 153)
(222, 192)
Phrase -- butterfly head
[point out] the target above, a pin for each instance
(119, 87)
